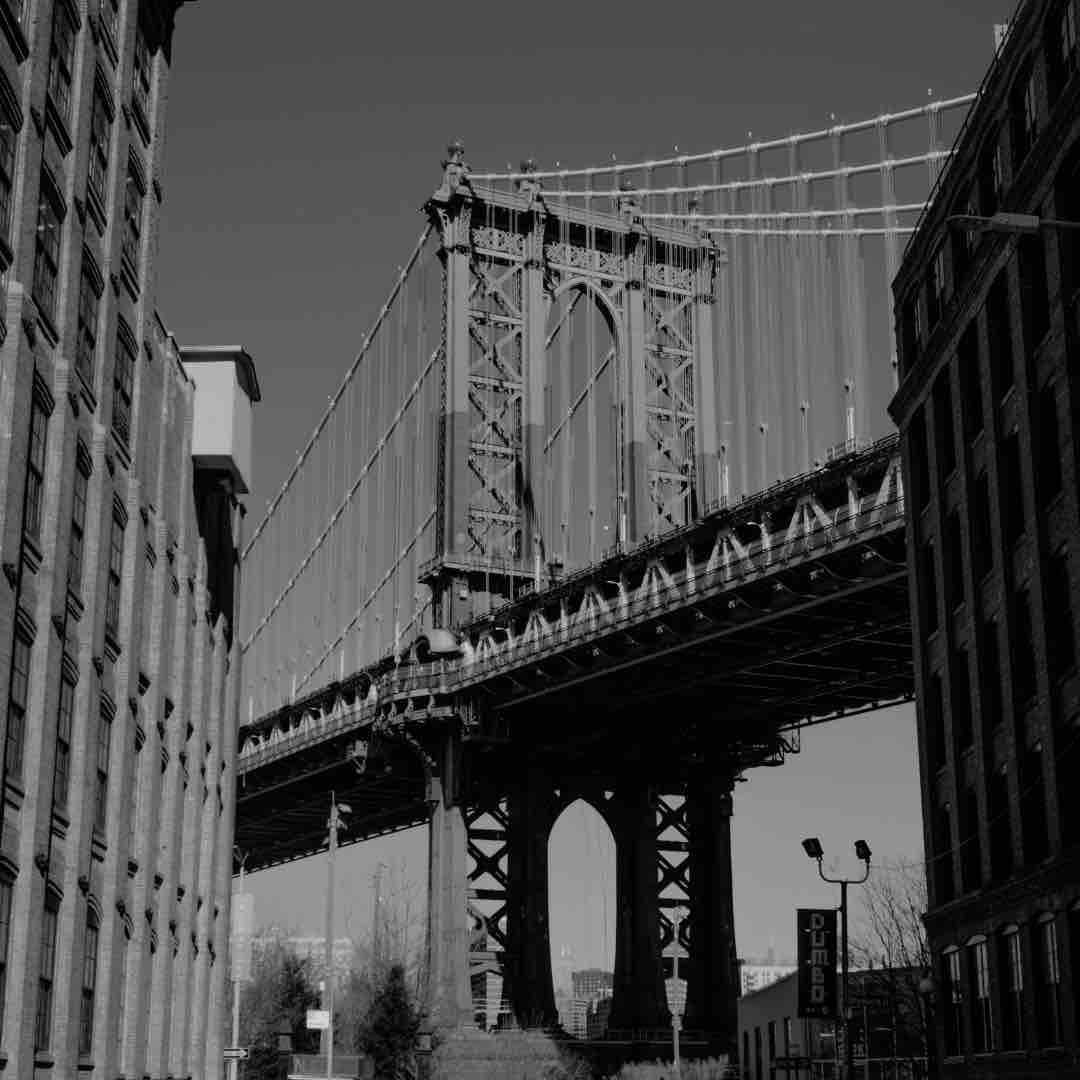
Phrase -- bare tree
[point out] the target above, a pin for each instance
(889, 944)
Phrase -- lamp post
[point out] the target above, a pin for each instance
(812, 847)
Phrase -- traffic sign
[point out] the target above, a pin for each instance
(318, 1019)
(235, 1053)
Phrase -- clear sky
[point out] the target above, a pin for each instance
(302, 140)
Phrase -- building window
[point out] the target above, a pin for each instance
(46, 970)
(943, 424)
(1033, 806)
(89, 985)
(954, 543)
(991, 177)
(47, 246)
(1034, 292)
(982, 1030)
(140, 78)
(61, 62)
(999, 333)
(928, 581)
(935, 722)
(78, 521)
(758, 1070)
(990, 685)
(123, 387)
(110, 19)
(982, 536)
(961, 699)
(1060, 637)
(116, 565)
(1065, 58)
(967, 355)
(1048, 984)
(970, 849)
(133, 204)
(1066, 770)
(1048, 474)
(6, 888)
(1025, 118)
(62, 763)
(1012, 990)
(746, 1054)
(8, 137)
(938, 287)
(1012, 492)
(1023, 652)
(100, 138)
(953, 1003)
(920, 462)
(1068, 209)
(101, 793)
(35, 471)
(945, 888)
(1001, 854)
(16, 715)
(87, 329)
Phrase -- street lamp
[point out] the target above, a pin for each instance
(812, 847)
(335, 822)
(1008, 222)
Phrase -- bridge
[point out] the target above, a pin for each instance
(606, 507)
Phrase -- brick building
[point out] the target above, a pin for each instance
(988, 326)
(120, 460)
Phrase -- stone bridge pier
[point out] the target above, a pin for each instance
(489, 889)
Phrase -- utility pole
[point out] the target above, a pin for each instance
(335, 822)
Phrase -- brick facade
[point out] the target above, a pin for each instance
(120, 732)
(988, 328)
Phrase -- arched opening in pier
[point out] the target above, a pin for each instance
(581, 903)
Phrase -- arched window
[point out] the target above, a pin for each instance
(1047, 968)
(982, 1029)
(953, 1001)
(1011, 981)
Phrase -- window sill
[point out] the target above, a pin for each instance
(43, 1059)
(113, 648)
(85, 1063)
(129, 275)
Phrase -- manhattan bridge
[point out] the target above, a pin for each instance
(607, 507)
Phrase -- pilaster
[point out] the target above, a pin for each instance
(638, 992)
(449, 1003)
(531, 806)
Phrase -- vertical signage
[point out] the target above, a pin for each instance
(817, 962)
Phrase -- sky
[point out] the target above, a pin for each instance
(302, 141)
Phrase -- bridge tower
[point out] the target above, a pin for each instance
(577, 419)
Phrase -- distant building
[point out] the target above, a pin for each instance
(590, 987)
(754, 976)
(989, 351)
(775, 1042)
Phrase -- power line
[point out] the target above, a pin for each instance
(786, 215)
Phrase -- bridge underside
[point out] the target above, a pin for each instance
(646, 687)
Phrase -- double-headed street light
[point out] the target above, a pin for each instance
(812, 847)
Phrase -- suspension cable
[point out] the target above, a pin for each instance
(736, 151)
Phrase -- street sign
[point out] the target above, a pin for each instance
(318, 1019)
(235, 1053)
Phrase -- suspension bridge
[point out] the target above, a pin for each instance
(608, 507)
